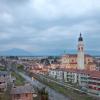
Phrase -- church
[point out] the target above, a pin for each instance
(80, 60)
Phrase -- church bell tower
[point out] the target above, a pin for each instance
(80, 55)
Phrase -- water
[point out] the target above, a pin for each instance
(53, 95)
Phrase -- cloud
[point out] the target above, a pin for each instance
(42, 25)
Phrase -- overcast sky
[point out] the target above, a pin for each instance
(47, 25)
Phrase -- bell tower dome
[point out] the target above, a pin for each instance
(80, 38)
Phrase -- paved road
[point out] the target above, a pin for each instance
(53, 95)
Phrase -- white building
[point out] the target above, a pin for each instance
(88, 80)
(56, 73)
(70, 76)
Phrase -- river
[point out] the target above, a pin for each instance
(53, 95)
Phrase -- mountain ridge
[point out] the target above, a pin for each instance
(22, 52)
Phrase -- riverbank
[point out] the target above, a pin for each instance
(19, 79)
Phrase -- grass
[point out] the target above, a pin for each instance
(19, 79)
(69, 92)
(20, 67)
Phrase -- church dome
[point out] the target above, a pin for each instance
(80, 38)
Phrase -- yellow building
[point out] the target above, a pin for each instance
(79, 60)
(70, 61)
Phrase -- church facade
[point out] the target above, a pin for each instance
(80, 60)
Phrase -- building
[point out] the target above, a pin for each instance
(78, 69)
(97, 61)
(70, 76)
(22, 92)
(3, 85)
(85, 79)
(94, 83)
(80, 56)
(79, 60)
(5, 79)
(52, 73)
(38, 68)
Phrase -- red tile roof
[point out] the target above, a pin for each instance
(22, 89)
(95, 74)
(87, 72)
(75, 55)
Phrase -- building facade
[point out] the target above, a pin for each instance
(5, 79)
(79, 60)
(88, 80)
(22, 93)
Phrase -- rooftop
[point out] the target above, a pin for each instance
(22, 89)
(75, 55)
(95, 74)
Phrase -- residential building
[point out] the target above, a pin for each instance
(88, 80)
(22, 92)
(70, 76)
(5, 79)
(52, 73)
(94, 83)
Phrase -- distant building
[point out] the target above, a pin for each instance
(80, 60)
(22, 92)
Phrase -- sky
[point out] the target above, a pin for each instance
(49, 25)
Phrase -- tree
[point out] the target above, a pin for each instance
(20, 67)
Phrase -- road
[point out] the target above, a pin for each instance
(53, 95)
